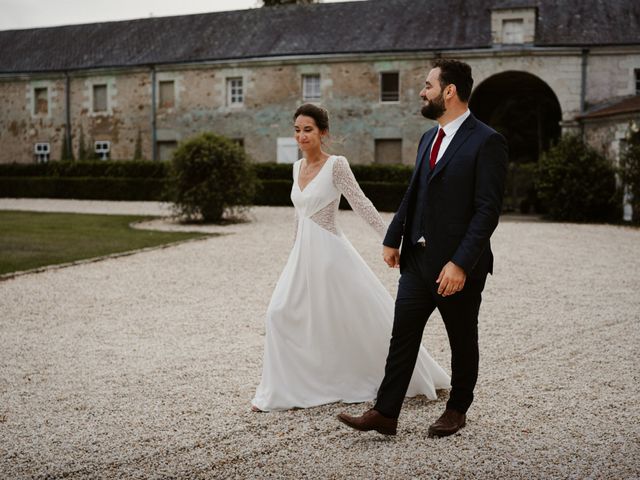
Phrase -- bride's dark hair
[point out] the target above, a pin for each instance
(319, 115)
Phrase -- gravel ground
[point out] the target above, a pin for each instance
(144, 366)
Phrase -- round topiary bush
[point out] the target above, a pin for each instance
(576, 183)
(208, 175)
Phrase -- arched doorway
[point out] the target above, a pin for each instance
(526, 111)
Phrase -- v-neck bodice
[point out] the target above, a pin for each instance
(314, 177)
(317, 193)
(320, 198)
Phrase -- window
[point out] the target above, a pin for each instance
(512, 31)
(41, 104)
(637, 72)
(287, 150)
(235, 95)
(389, 87)
(166, 92)
(239, 142)
(166, 149)
(100, 98)
(102, 149)
(311, 87)
(41, 151)
(388, 151)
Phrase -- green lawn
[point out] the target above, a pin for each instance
(31, 239)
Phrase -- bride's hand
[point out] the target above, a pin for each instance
(391, 256)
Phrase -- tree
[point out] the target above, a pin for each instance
(630, 169)
(209, 174)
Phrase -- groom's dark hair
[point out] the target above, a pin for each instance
(456, 73)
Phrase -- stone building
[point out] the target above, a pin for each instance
(539, 66)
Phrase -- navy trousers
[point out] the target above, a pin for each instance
(416, 300)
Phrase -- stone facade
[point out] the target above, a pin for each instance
(116, 105)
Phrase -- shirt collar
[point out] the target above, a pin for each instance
(452, 127)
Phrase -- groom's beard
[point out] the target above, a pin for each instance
(434, 109)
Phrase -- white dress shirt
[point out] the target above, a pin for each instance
(450, 130)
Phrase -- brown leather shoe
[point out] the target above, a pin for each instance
(371, 420)
(449, 423)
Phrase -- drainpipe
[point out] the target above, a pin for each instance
(67, 106)
(583, 88)
(154, 135)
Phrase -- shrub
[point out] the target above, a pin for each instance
(94, 188)
(630, 172)
(95, 168)
(576, 183)
(364, 173)
(385, 196)
(520, 193)
(273, 171)
(209, 174)
(273, 192)
(383, 173)
(383, 184)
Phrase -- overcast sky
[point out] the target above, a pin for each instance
(15, 14)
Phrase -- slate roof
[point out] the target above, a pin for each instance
(619, 107)
(332, 28)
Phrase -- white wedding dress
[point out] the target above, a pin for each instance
(329, 322)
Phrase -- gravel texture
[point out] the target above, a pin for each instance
(143, 366)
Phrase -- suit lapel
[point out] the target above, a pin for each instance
(421, 154)
(458, 140)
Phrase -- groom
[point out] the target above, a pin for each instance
(444, 223)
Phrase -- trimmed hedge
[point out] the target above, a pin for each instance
(386, 196)
(125, 169)
(383, 184)
(274, 192)
(103, 180)
(86, 188)
(364, 173)
(144, 180)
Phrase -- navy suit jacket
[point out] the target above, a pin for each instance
(464, 199)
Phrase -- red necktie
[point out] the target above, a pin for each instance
(435, 149)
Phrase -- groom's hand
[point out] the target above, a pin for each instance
(391, 256)
(451, 279)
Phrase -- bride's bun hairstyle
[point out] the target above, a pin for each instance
(319, 115)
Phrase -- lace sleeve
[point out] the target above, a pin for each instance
(347, 184)
(295, 212)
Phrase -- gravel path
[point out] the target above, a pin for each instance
(144, 366)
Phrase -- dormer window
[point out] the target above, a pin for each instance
(512, 31)
(513, 26)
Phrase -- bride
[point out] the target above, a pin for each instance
(329, 321)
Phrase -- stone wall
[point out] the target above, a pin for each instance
(350, 87)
